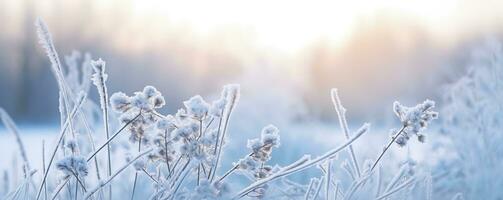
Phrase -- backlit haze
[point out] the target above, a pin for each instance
(373, 51)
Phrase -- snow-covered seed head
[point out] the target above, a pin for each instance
(414, 119)
(186, 131)
(150, 91)
(166, 124)
(158, 101)
(120, 102)
(73, 165)
(270, 136)
(398, 109)
(155, 97)
(139, 100)
(147, 100)
(247, 163)
(207, 190)
(189, 148)
(254, 144)
(197, 107)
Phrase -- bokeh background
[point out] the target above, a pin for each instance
(282, 52)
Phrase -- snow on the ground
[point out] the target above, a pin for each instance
(32, 138)
(314, 139)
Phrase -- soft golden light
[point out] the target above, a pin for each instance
(289, 25)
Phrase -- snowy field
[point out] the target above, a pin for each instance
(313, 139)
(316, 138)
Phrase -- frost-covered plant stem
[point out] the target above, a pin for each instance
(318, 189)
(43, 167)
(112, 137)
(93, 147)
(216, 143)
(173, 194)
(379, 182)
(47, 43)
(356, 185)
(11, 126)
(136, 172)
(232, 99)
(309, 188)
(166, 152)
(235, 167)
(302, 164)
(59, 187)
(393, 138)
(341, 113)
(82, 97)
(398, 188)
(396, 178)
(220, 146)
(328, 179)
(93, 155)
(184, 168)
(99, 79)
(107, 181)
(220, 140)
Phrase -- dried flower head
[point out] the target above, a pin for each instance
(211, 191)
(197, 107)
(144, 102)
(120, 102)
(270, 136)
(73, 165)
(414, 119)
(247, 163)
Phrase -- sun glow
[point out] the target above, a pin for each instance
(287, 24)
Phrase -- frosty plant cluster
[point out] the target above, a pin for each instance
(180, 154)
